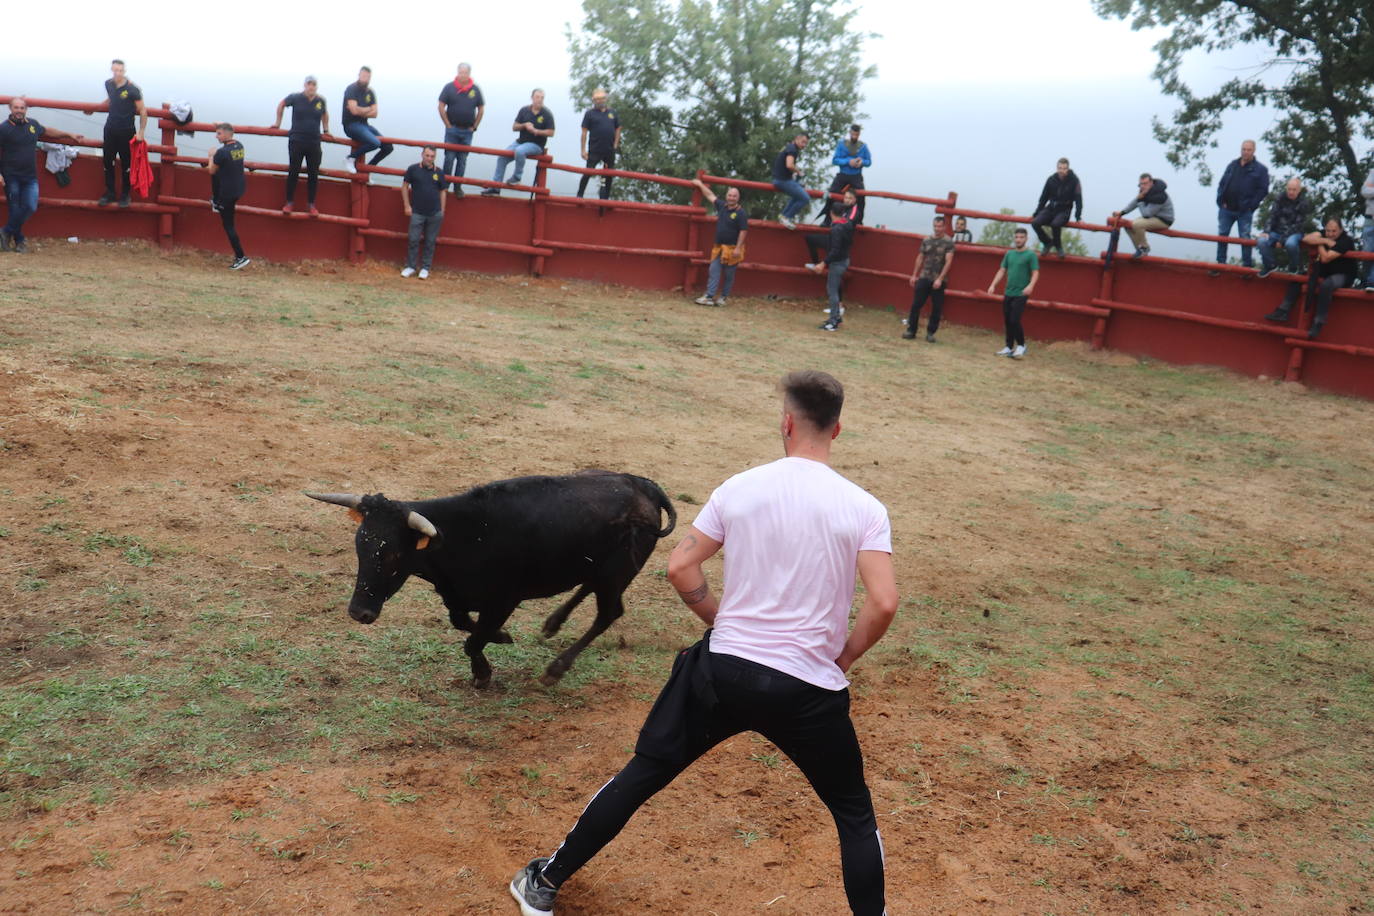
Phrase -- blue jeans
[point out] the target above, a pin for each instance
(1292, 243)
(797, 205)
(463, 137)
(714, 275)
(365, 135)
(23, 201)
(1241, 220)
(521, 150)
(1367, 244)
(833, 281)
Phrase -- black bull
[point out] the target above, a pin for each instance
(490, 548)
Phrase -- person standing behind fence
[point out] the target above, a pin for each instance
(1156, 212)
(1061, 196)
(125, 101)
(19, 137)
(836, 263)
(422, 196)
(360, 103)
(961, 233)
(1367, 240)
(785, 175)
(1289, 218)
(732, 227)
(852, 156)
(309, 123)
(1021, 267)
(534, 126)
(928, 276)
(226, 187)
(1242, 188)
(461, 107)
(600, 140)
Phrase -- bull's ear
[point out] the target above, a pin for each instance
(422, 543)
(355, 515)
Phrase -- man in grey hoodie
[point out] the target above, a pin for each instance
(1367, 240)
(1156, 212)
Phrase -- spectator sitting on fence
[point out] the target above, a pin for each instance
(1242, 188)
(785, 175)
(852, 156)
(1288, 221)
(1156, 211)
(360, 103)
(961, 233)
(1367, 240)
(423, 197)
(836, 262)
(1063, 192)
(461, 107)
(600, 140)
(125, 101)
(309, 122)
(732, 226)
(226, 187)
(1021, 267)
(1334, 271)
(534, 124)
(933, 262)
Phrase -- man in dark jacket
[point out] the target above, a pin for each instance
(836, 261)
(1062, 195)
(1288, 220)
(1241, 189)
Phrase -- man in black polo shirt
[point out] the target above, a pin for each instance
(126, 100)
(534, 124)
(360, 103)
(309, 122)
(601, 127)
(19, 136)
(422, 195)
(461, 107)
(785, 175)
(732, 226)
(226, 186)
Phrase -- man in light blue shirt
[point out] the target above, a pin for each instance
(852, 156)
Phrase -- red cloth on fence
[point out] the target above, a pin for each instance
(140, 172)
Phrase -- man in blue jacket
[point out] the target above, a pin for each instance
(852, 156)
(1241, 189)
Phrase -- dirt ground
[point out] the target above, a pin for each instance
(1131, 674)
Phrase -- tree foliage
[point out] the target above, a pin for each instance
(721, 85)
(999, 233)
(1316, 60)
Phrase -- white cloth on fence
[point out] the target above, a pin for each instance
(181, 110)
(59, 156)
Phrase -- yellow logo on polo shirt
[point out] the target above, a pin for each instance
(539, 120)
(733, 215)
(435, 176)
(319, 105)
(124, 94)
(31, 130)
(472, 93)
(611, 116)
(369, 98)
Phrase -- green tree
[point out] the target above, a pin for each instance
(999, 233)
(721, 84)
(1314, 61)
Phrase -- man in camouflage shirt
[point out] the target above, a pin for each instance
(928, 279)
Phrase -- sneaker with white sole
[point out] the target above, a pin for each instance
(826, 311)
(535, 897)
(720, 303)
(240, 263)
(424, 274)
(350, 165)
(786, 221)
(408, 272)
(704, 300)
(1005, 351)
(1019, 352)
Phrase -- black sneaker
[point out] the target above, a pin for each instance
(829, 326)
(492, 192)
(1140, 253)
(1265, 271)
(930, 337)
(214, 205)
(1059, 250)
(124, 202)
(240, 263)
(21, 247)
(908, 335)
(534, 896)
(1279, 315)
(1313, 331)
(105, 200)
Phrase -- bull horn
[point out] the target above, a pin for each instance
(351, 500)
(422, 524)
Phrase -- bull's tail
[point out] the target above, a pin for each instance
(655, 492)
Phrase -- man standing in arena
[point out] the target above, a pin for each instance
(795, 532)
(600, 140)
(360, 103)
(461, 107)
(732, 227)
(928, 276)
(836, 263)
(1021, 267)
(226, 187)
(19, 138)
(125, 101)
(423, 197)
(309, 122)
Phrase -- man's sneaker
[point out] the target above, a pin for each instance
(124, 202)
(826, 311)
(513, 182)
(814, 268)
(1059, 250)
(930, 337)
(1019, 352)
(424, 273)
(214, 205)
(1140, 253)
(535, 897)
(21, 247)
(1265, 271)
(1313, 331)
(1005, 351)
(786, 221)
(830, 326)
(909, 334)
(105, 200)
(492, 192)
(720, 303)
(240, 263)
(1279, 315)
(314, 210)
(408, 272)
(351, 165)
(704, 300)
(458, 191)
(288, 207)
(6, 240)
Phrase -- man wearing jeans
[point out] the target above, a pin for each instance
(1241, 189)
(732, 226)
(360, 103)
(836, 262)
(422, 196)
(534, 126)
(125, 101)
(461, 107)
(1288, 221)
(785, 175)
(19, 136)
(794, 532)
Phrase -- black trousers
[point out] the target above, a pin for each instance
(116, 145)
(837, 186)
(226, 216)
(1013, 307)
(1053, 218)
(597, 160)
(817, 245)
(925, 289)
(307, 151)
(808, 724)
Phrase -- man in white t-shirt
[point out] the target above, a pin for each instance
(795, 532)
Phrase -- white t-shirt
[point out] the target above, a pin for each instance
(792, 531)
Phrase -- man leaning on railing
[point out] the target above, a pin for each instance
(19, 136)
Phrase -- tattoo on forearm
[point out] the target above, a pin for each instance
(695, 595)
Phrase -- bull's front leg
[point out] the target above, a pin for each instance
(461, 619)
(481, 668)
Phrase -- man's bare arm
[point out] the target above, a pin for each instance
(880, 606)
(685, 573)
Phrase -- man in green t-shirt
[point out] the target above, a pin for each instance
(1021, 267)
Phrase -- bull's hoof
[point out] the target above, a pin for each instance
(482, 683)
(502, 637)
(550, 680)
(548, 632)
